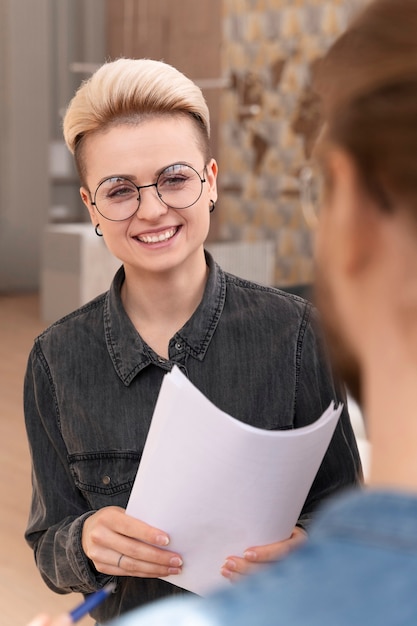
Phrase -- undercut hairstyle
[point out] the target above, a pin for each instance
(129, 91)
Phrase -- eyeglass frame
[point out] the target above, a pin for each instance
(306, 178)
(311, 209)
(155, 184)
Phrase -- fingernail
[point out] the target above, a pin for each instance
(229, 564)
(225, 572)
(175, 561)
(174, 570)
(250, 555)
(161, 540)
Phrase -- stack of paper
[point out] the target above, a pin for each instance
(218, 486)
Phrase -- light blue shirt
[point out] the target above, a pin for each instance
(359, 567)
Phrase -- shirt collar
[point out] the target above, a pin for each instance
(130, 354)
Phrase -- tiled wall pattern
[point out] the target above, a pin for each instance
(266, 119)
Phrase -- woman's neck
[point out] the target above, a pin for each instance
(391, 415)
(159, 304)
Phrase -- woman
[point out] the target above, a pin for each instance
(139, 132)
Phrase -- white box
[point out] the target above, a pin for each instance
(76, 267)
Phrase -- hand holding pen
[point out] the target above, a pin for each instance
(66, 619)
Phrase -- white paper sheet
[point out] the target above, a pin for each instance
(218, 486)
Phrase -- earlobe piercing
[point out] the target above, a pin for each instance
(98, 232)
(212, 206)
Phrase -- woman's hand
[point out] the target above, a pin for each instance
(120, 545)
(234, 567)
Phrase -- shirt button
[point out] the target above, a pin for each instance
(106, 480)
(179, 346)
(161, 360)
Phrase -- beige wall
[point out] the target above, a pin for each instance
(266, 119)
(24, 123)
(39, 40)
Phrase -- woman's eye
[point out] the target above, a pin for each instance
(121, 191)
(175, 180)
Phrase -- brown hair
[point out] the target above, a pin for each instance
(367, 82)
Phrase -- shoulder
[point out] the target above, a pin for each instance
(80, 322)
(267, 298)
(87, 317)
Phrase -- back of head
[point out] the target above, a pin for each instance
(127, 91)
(368, 87)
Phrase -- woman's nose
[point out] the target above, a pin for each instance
(150, 205)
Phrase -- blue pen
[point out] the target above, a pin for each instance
(91, 602)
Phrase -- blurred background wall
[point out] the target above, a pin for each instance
(253, 60)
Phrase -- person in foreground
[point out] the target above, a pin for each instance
(359, 565)
(139, 131)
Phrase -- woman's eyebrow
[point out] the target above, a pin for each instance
(134, 178)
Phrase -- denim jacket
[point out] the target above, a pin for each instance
(90, 390)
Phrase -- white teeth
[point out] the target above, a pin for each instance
(156, 238)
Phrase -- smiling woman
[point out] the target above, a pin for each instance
(135, 176)
(139, 131)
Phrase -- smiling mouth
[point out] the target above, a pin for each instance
(157, 238)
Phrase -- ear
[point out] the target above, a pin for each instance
(355, 217)
(211, 177)
(85, 197)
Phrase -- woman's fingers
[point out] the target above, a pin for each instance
(122, 545)
(137, 567)
(109, 523)
(234, 567)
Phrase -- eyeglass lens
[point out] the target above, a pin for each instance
(311, 194)
(178, 186)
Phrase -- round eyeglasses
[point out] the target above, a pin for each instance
(311, 194)
(178, 186)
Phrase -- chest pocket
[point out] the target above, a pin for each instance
(105, 478)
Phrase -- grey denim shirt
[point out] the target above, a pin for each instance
(90, 390)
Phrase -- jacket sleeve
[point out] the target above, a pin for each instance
(58, 510)
(316, 388)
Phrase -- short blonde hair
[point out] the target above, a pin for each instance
(128, 91)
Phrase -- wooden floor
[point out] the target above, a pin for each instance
(22, 592)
